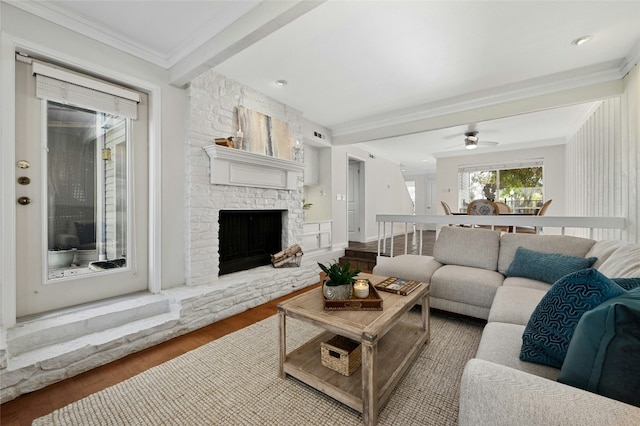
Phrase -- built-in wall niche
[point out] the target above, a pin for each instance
(311, 165)
(318, 182)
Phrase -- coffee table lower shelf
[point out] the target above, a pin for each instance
(398, 349)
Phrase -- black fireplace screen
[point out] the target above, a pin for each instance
(248, 238)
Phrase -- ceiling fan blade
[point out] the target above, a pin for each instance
(470, 129)
(488, 143)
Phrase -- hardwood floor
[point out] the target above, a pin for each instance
(24, 409)
(413, 244)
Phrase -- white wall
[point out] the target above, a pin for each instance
(602, 163)
(554, 178)
(385, 192)
(421, 191)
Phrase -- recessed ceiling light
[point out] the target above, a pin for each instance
(281, 83)
(581, 40)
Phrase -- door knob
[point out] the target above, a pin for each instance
(23, 201)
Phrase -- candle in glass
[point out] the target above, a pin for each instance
(361, 289)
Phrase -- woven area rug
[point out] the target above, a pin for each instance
(234, 381)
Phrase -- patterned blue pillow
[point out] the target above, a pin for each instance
(546, 338)
(627, 283)
(547, 267)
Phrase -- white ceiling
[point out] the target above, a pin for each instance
(373, 69)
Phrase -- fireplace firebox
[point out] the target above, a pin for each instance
(248, 238)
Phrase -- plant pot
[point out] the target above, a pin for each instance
(337, 292)
(60, 258)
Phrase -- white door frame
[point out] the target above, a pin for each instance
(362, 198)
(9, 45)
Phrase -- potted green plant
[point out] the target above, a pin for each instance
(339, 282)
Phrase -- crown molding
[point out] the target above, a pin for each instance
(631, 60)
(80, 24)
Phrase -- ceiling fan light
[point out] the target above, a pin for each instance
(470, 144)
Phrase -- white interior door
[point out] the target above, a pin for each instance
(431, 201)
(81, 182)
(354, 202)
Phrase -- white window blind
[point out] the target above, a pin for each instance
(62, 86)
(502, 166)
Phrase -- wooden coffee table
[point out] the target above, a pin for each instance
(389, 346)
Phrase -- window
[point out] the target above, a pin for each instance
(519, 185)
(88, 129)
(411, 187)
(86, 186)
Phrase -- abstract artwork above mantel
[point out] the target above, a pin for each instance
(263, 134)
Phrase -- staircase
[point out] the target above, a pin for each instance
(363, 255)
(359, 258)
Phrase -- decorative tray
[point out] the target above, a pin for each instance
(373, 302)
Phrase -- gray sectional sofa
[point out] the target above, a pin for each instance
(467, 276)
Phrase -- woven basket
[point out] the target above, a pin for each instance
(341, 354)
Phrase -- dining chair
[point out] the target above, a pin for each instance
(534, 229)
(504, 209)
(447, 209)
(485, 208)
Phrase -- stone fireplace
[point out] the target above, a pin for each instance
(221, 179)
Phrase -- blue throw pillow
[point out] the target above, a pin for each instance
(627, 283)
(546, 338)
(547, 267)
(604, 353)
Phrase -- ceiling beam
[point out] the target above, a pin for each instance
(252, 27)
(508, 108)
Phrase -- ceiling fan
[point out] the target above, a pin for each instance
(472, 141)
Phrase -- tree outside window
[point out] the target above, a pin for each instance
(519, 187)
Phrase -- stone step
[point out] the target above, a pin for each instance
(43, 330)
(362, 260)
(95, 349)
(358, 254)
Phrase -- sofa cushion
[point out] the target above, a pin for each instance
(501, 344)
(407, 266)
(514, 305)
(547, 267)
(551, 326)
(604, 353)
(476, 248)
(526, 282)
(463, 284)
(623, 263)
(563, 244)
(627, 283)
(603, 250)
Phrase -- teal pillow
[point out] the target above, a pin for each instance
(604, 353)
(547, 267)
(627, 283)
(547, 335)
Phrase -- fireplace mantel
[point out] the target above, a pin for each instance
(229, 166)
